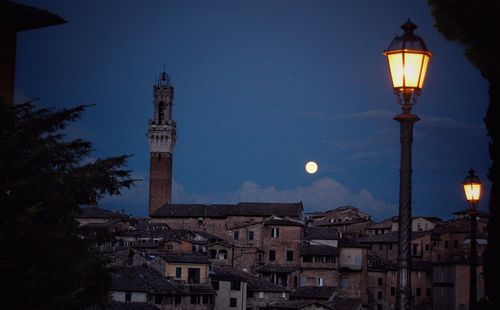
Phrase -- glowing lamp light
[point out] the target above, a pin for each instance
(408, 58)
(472, 188)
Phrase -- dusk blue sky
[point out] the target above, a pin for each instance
(262, 87)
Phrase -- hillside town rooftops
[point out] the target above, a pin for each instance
(96, 212)
(293, 210)
(321, 233)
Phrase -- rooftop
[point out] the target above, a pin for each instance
(293, 210)
(142, 279)
(96, 212)
(313, 292)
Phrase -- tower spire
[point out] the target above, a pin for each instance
(161, 136)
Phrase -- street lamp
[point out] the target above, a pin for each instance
(408, 58)
(472, 189)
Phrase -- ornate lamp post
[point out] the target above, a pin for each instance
(472, 189)
(408, 58)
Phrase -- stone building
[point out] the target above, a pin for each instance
(231, 288)
(319, 267)
(353, 270)
(217, 219)
(346, 219)
(144, 285)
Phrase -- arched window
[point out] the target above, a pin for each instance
(222, 254)
(161, 111)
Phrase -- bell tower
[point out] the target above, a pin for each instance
(161, 137)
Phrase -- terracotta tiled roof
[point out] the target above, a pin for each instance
(184, 258)
(275, 221)
(321, 233)
(313, 292)
(113, 305)
(254, 284)
(341, 303)
(297, 304)
(142, 279)
(293, 210)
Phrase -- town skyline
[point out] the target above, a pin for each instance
(257, 96)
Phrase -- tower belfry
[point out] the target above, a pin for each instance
(161, 137)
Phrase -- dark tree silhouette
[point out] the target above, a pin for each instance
(476, 25)
(44, 264)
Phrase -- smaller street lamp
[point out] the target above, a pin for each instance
(472, 189)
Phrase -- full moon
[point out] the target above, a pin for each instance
(311, 167)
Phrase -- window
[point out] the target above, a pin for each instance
(379, 281)
(379, 295)
(320, 282)
(177, 299)
(272, 255)
(178, 272)
(418, 291)
(289, 256)
(195, 299)
(427, 247)
(213, 253)
(233, 303)
(158, 299)
(250, 235)
(455, 243)
(259, 257)
(235, 285)
(379, 307)
(414, 249)
(344, 282)
(236, 235)
(393, 291)
(249, 294)
(222, 254)
(215, 285)
(390, 246)
(380, 246)
(193, 275)
(446, 244)
(275, 232)
(128, 297)
(428, 292)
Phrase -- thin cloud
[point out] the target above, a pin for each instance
(321, 195)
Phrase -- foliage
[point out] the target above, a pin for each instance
(475, 24)
(43, 179)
